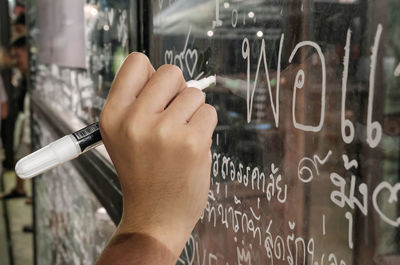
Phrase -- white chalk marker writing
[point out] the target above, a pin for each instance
(299, 83)
(217, 22)
(374, 128)
(262, 60)
(346, 123)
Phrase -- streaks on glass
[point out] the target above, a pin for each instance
(70, 214)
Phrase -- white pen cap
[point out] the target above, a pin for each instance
(202, 83)
(50, 156)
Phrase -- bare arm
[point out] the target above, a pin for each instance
(136, 249)
(4, 110)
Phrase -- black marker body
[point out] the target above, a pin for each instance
(88, 136)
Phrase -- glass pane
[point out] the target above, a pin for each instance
(76, 51)
(306, 153)
(71, 225)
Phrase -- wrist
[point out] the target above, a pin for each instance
(172, 236)
(135, 248)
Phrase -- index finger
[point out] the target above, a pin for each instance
(131, 78)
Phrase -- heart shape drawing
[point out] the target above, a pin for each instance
(292, 225)
(168, 57)
(178, 61)
(194, 57)
(349, 164)
(161, 2)
(393, 198)
(110, 15)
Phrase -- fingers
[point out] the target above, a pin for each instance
(163, 87)
(185, 105)
(204, 121)
(130, 80)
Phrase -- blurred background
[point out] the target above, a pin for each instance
(279, 194)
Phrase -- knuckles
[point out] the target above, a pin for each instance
(195, 93)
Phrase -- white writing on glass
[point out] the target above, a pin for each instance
(374, 129)
(187, 59)
(262, 59)
(393, 199)
(299, 83)
(345, 123)
(302, 167)
(217, 22)
(340, 198)
(272, 186)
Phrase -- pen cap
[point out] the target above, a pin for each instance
(48, 157)
(202, 83)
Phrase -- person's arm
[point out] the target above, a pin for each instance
(125, 249)
(3, 100)
(4, 110)
(158, 133)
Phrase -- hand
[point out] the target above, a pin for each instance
(158, 133)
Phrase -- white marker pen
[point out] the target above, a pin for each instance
(71, 146)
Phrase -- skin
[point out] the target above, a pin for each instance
(4, 110)
(4, 62)
(20, 56)
(158, 133)
(19, 29)
(5, 59)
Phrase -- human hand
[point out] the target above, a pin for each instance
(158, 133)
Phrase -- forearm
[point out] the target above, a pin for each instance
(132, 249)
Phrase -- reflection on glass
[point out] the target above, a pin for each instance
(306, 154)
(72, 227)
(78, 89)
